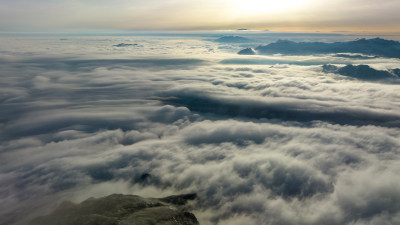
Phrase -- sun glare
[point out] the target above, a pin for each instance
(254, 7)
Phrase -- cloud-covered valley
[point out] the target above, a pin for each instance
(263, 143)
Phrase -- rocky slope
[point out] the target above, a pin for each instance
(120, 209)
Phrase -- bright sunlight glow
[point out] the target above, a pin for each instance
(254, 7)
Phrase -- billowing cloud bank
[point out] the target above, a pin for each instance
(259, 144)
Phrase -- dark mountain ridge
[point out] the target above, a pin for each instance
(362, 72)
(376, 47)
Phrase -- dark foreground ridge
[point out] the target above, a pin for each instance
(375, 47)
(118, 209)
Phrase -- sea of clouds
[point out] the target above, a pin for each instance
(261, 139)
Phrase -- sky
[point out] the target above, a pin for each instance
(360, 16)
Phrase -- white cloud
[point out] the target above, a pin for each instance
(258, 144)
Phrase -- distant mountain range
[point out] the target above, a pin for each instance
(233, 39)
(375, 47)
(125, 45)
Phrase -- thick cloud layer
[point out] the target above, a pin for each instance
(259, 144)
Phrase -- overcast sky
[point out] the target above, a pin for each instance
(307, 15)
